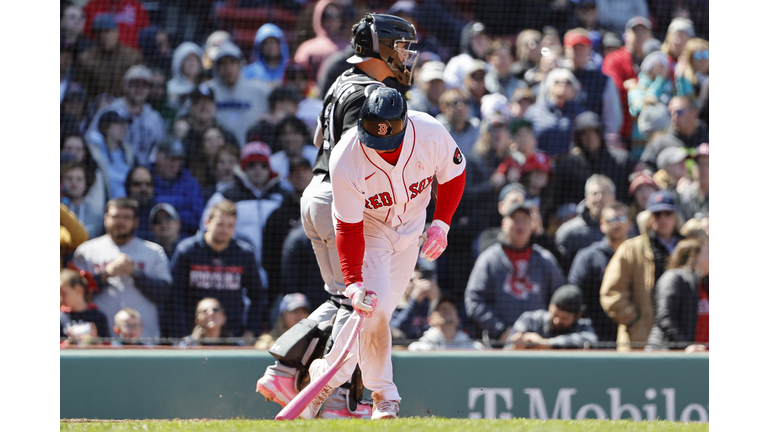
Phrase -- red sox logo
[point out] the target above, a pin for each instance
(518, 284)
(383, 129)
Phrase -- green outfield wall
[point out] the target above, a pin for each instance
(164, 384)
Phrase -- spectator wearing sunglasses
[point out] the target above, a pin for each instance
(455, 117)
(685, 130)
(210, 325)
(589, 266)
(693, 75)
(632, 272)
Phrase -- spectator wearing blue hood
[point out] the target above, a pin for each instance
(270, 55)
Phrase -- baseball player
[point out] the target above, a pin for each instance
(382, 57)
(382, 172)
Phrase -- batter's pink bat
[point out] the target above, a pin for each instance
(297, 405)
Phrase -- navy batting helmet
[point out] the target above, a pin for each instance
(383, 119)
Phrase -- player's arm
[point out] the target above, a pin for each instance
(347, 209)
(451, 176)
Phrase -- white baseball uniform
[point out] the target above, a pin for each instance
(392, 202)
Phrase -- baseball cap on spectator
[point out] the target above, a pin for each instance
(640, 179)
(495, 103)
(293, 301)
(477, 28)
(494, 120)
(509, 188)
(138, 72)
(431, 71)
(75, 92)
(610, 39)
(255, 151)
(653, 118)
(568, 298)
(523, 93)
(671, 155)
(701, 150)
(524, 206)
(172, 147)
(661, 201)
(202, 91)
(537, 161)
(112, 116)
(227, 49)
(638, 21)
(653, 59)
(575, 38)
(476, 65)
(519, 124)
(166, 208)
(104, 22)
(683, 25)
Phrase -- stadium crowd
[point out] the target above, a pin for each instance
(186, 140)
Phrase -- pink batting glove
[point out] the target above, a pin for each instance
(435, 240)
(363, 301)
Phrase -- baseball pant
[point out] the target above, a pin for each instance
(390, 257)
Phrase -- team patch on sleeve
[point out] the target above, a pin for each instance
(457, 157)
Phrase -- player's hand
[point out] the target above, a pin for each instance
(435, 240)
(363, 301)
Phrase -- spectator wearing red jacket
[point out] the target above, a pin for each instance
(623, 64)
(129, 15)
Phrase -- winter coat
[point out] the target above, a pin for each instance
(179, 85)
(237, 107)
(676, 300)
(145, 131)
(185, 195)
(313, 52)
(253, 209)
(599, 95)
(115, 164)
(553, 124)
(576, 234)
(102, 72)
(620, 66)
(572, 172)
(537, 321)
(626, 291)
(258, 71)
(489, 298)
(587, 272)
(434, 339)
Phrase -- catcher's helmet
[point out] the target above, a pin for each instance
(383, 119)
(386, 37)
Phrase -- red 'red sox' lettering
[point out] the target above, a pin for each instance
(417, 188)
(373, 202)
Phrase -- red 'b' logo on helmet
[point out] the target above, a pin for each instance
(382, 129)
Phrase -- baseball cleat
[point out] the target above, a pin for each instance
(385, 409)
(363, 411)
(276, 388)
(313, 408)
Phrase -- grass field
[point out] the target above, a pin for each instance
(405, 425)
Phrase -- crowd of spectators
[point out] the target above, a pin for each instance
(186, 140)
